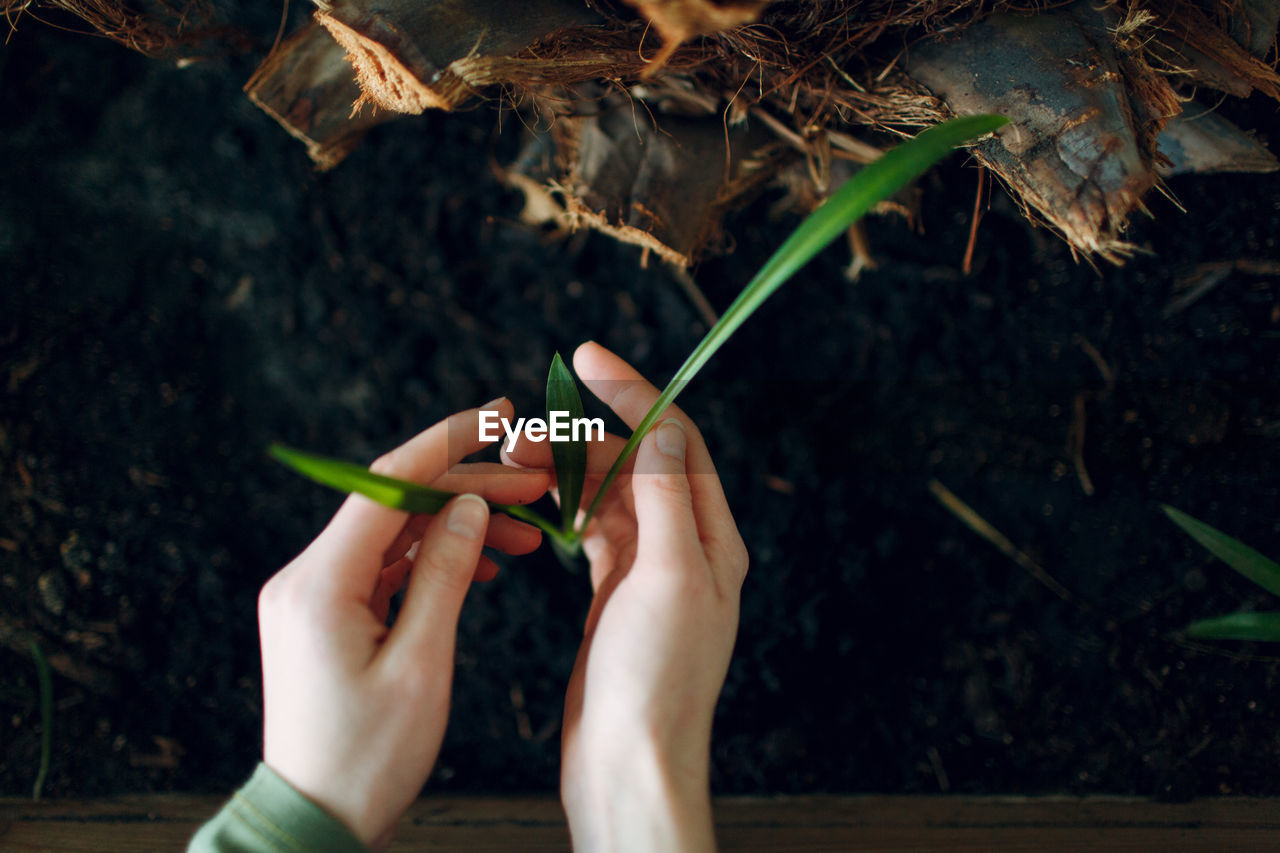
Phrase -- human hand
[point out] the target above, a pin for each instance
(667, 566)
(355, 711)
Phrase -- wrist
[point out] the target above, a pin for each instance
(638, 795)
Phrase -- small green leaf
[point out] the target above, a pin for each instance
(1238, 626)
(872, 184)
(349, 477)
(570, 456)
(1239, 556)
(388, 491)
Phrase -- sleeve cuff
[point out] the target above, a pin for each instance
(267, 814)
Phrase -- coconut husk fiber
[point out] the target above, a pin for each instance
(825, 75)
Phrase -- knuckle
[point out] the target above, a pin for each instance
(385, 464)
(442, 569)
(269, 597)
(673, 488)
(284, 598)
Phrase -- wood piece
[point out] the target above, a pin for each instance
(1203, 142)
(664, 188)
(413, 55)
(164, 822)
(1081, 143)
(1196, 46)
(307, 85)
(1253, 25)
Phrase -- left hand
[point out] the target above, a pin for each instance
(355, 711)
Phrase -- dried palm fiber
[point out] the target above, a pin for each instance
(159, 28)
(299, 85)
(1100, 111)
(664, 188)
(1083, 148)
(1080, 158)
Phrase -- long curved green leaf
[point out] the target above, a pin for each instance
(388, 491)
(1239, 556)
(873, 184)
(570, 456)
(1238, 626)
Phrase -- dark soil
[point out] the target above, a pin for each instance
(181, 289)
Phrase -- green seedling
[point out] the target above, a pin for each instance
(871, 185)
(1248, 562)
(45, 678)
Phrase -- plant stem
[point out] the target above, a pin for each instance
(46, 717)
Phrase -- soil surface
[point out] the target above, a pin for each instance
(180, 289)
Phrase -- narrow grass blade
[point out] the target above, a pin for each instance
(874, 183)
(1238, 626)
(388, 491)
(349, 477)
(570, 456)
(1239, 556)
(45, 677)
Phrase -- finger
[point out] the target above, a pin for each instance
(665, 525)
(486, 570)
(393, 577)
(505, 534)
(447, 561)
(619, 494)
(513, 537)
(601, 556)
(537, 454)
(630, 395)
(390, 581)
(495, 482)
(361, 531)
(621, 387)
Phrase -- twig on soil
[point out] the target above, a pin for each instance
(966, 267)
(1108, 375)
(980, 526)
(1205, 277)
(1201, 281)
(860, 249)
(695, 295)
(1226, 653)
(1076, 441)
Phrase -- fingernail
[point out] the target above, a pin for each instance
(671, 438)
(467, 516)
(494, 403)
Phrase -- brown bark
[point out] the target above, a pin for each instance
(1203, 142)
(1080, 148)
(307, 85)
(665, 188)
(412, 55)
(1253, 25)
(1194, 44)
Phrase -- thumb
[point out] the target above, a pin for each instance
(442, 572)
(666, 527)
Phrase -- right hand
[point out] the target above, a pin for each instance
(667, 566)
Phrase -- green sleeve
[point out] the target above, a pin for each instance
(268, 816)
